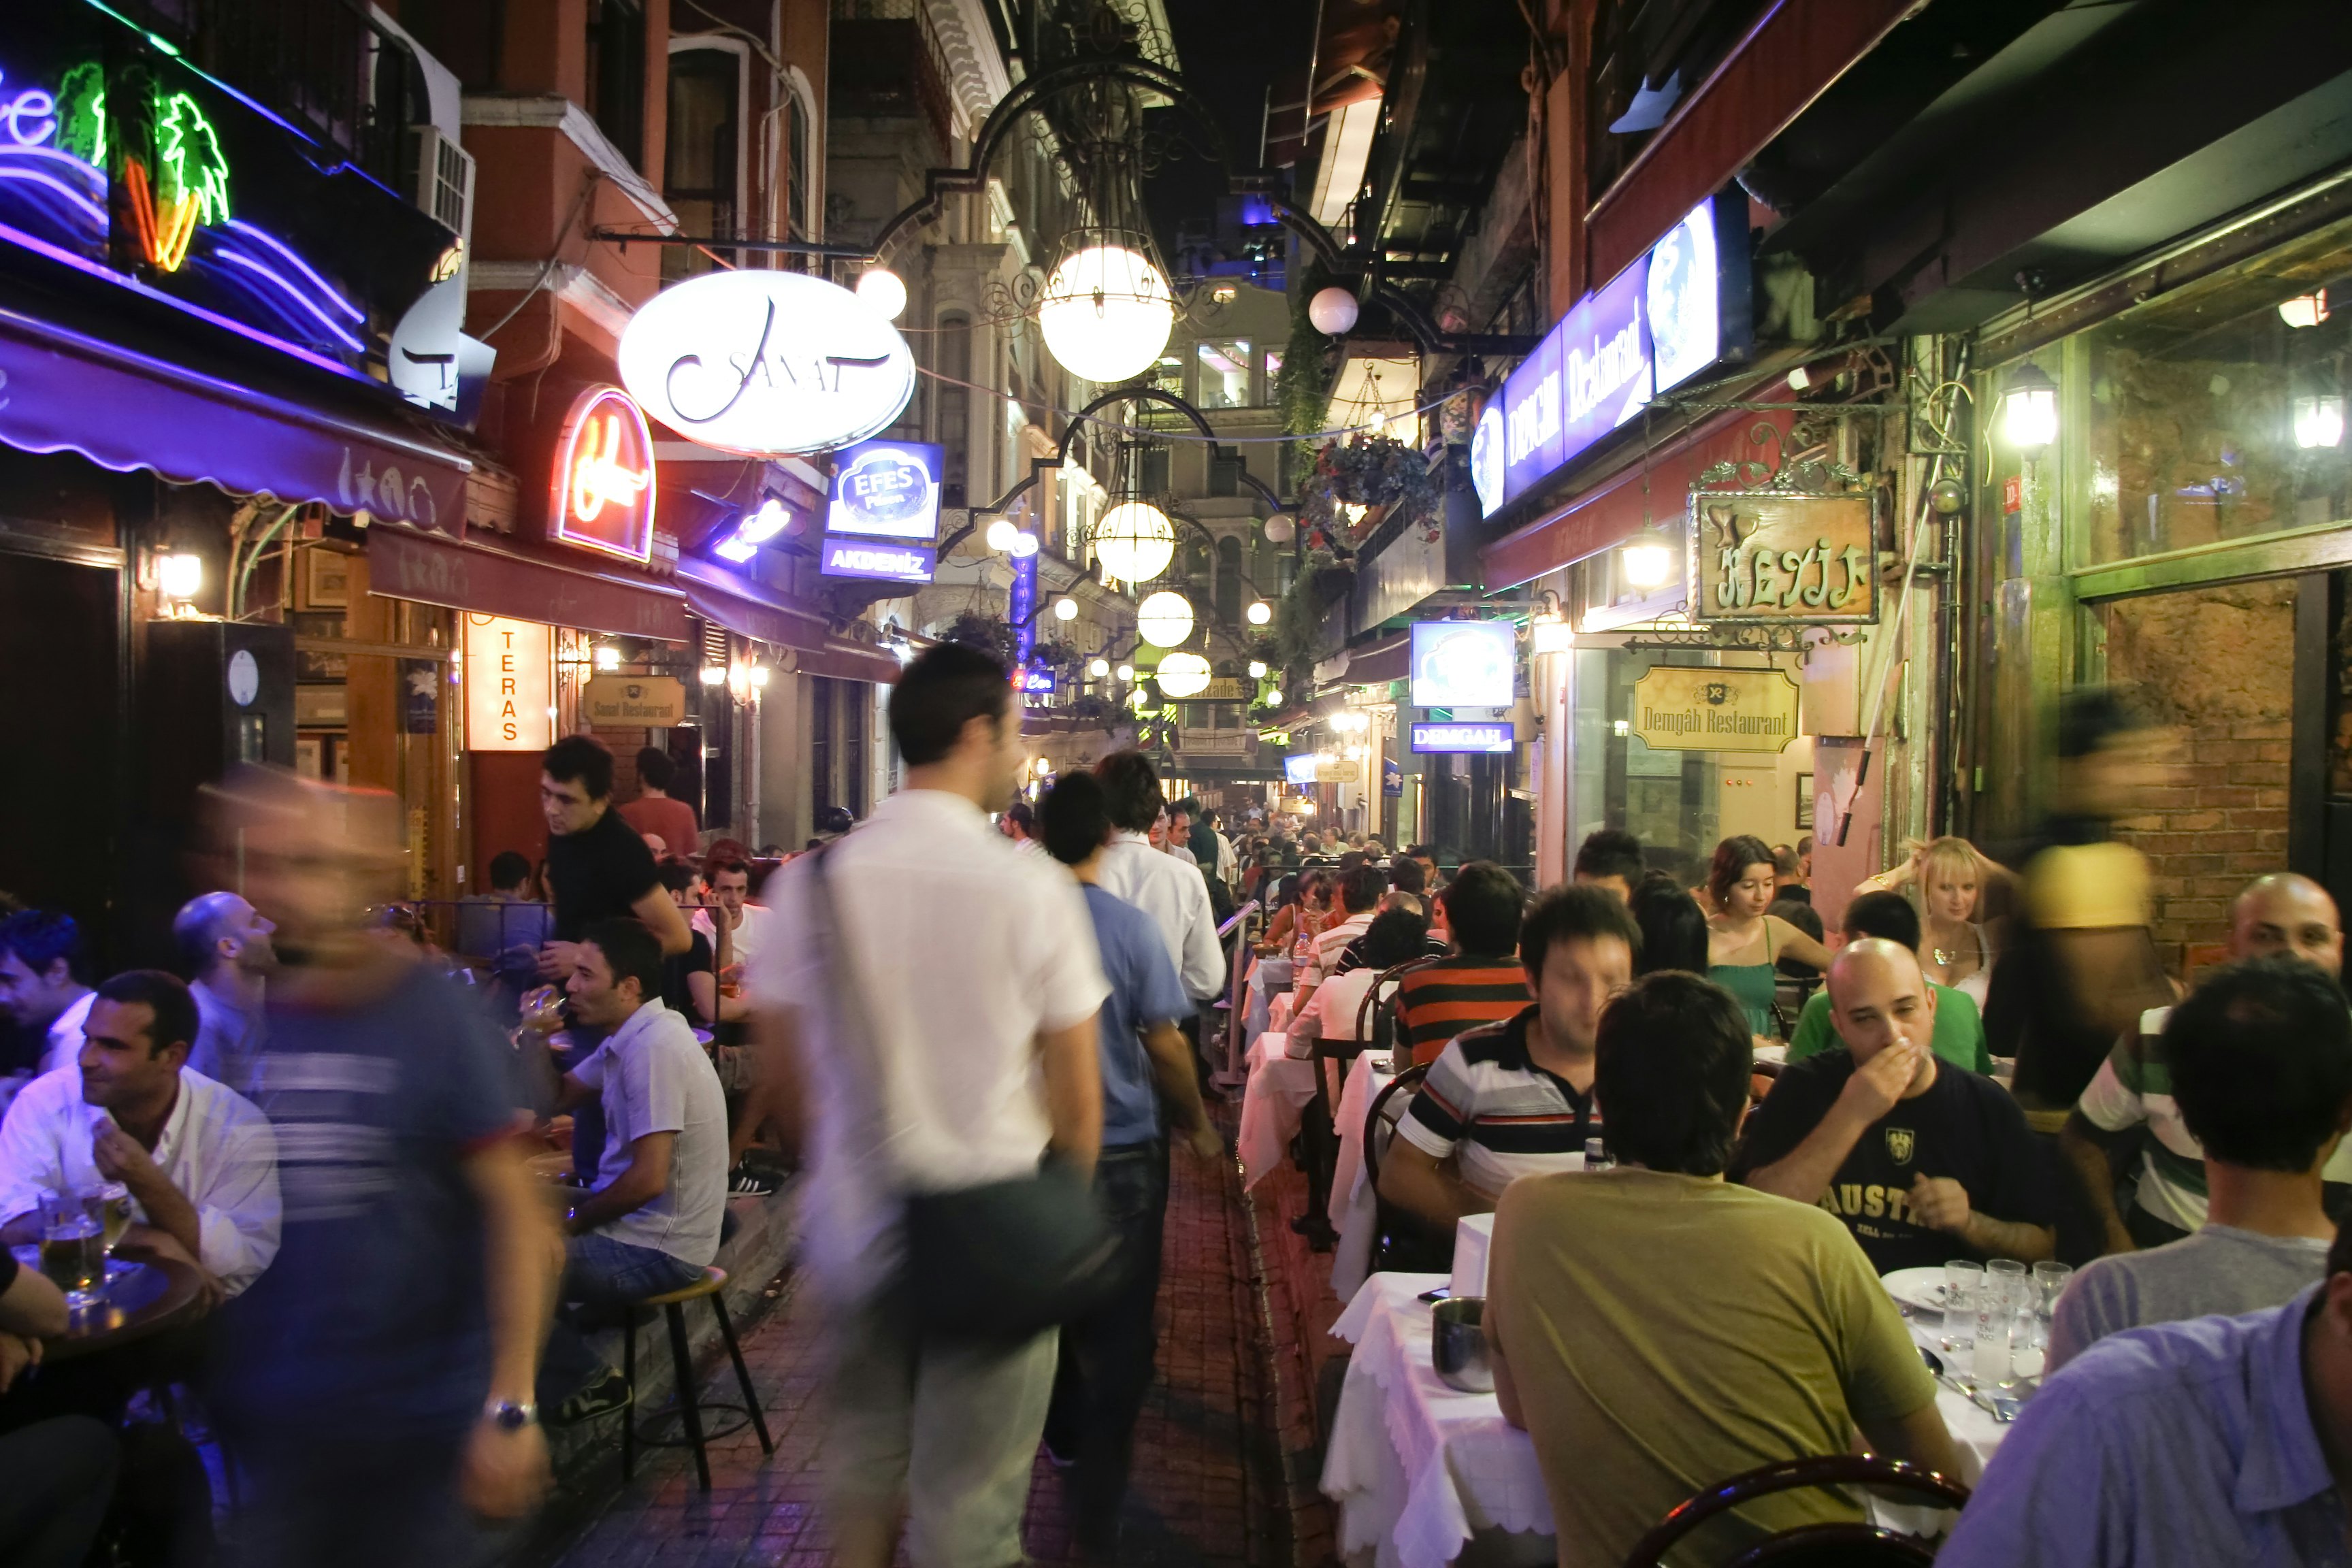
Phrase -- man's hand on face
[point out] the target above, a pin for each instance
(1878, 1085)
(1940, 1202)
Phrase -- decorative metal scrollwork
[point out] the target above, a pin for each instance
(1809, 471)
(1746, 637)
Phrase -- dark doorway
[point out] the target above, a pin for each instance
(59, 625)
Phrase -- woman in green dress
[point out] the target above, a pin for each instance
(1743, 942)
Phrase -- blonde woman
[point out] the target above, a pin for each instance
(1743, 942)
(1949, 875)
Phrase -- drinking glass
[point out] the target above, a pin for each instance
(2049, 1284)
(1596, 1156)
(73, 1252)
(2007, 1291)
(110, 1205)
(1962, 1282)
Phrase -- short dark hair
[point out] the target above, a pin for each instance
(1422, 852)
(633, 951)
(1883, 914)
(1131, 791)
(2261, 1056)
(1363, 884)
(581, 758)
(947, 687)
(836, 819)
(1482, 905)
(166, 995)
(1074, 818)
(1732, 857)
(509, 868)
(712, 865)
(1670, 1061)
(1408, 875)
(1351, 858)
(1395, 937)
(1674, 927)
(40, 937)
(1019, 813)
(654, 767)
(1575, 911)
(675, 876)
(1610, 852)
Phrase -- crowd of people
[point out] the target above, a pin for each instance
(1685, 1108)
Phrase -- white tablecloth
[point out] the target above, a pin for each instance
(1417, 1468)
(1267, 977)
(1277, 1094)
(1352, 1211)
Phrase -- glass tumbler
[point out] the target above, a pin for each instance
(1962, 1282)
(2049, 1281)
(1596, 1156)
(2007, 1292)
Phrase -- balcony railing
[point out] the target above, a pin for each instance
(324, 65)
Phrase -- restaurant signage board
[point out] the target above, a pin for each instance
(627, 701)
(1037, 681)
(602, 498)
(509, 668)
(1298, 770)
(1486, 737)
(886, 490)
(1683, 710)
(877, 560)
(766, 364)
(1679, 308)
(1464, 663)
(1777, 556)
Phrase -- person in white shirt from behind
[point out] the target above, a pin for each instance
(1170, 891)
(736, 929)
(227, 943)
(651, 1224)
(937, 1032)
(39, 952)
(200, 1161)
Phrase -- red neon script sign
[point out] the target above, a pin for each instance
(604, 490)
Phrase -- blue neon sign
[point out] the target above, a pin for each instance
(874, 559)
(1485, 738)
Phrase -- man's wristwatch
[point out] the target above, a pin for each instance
(508, 1416)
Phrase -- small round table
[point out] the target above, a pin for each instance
(149, 1297)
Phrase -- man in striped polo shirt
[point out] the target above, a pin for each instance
(1515, 1099)
(2278, 914)
(1483, 981)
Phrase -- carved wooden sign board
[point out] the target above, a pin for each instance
(1785, 556)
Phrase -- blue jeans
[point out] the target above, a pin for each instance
(601, 1273)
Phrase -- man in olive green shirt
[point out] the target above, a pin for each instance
(1960, 1037)
(1657, 1331)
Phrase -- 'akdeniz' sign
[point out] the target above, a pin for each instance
(1661, 321)
(766, 364)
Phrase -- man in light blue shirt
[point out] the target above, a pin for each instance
(2189, 1443)
(1148, 1085)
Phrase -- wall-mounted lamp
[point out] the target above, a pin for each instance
(607, 656)
(753, 530)
(714, 675)
(180, 575)
(2319, 421)
(2028, 411)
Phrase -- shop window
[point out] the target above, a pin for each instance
(796, 175)
(616, 74)
(1152, 472)
(2215, 412)
(1224, 473)
(1224, 374)
(702, 174)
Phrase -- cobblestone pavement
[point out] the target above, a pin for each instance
(1208, 1489)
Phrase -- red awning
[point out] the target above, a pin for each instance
(1380, 662)
(505, 579)
(1615, 509)
(749, 609)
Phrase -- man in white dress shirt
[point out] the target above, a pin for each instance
(745, 924)
(199, 1160)
(937, 1032)
(1168, 889)
(40, 988)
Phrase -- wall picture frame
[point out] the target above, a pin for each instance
(326, 579)
(1805, 802)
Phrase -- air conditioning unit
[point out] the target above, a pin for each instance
(444, 180)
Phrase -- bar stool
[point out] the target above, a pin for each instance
(712, 1286)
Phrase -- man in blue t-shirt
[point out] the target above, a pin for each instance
(1147, 1084)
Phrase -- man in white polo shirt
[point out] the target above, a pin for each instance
(1168, 889)
(41, 986)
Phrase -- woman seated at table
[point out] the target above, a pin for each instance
(1744, 942)
(1395, 937)
(60, 1472)
(1950, 875)
(1297, 907)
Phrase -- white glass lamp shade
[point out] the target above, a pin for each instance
(1066, 609)
(1098, 668)
(1126, 673)
(2318, 422)
(1332, 311)
(1024, 544)
(2029, 410)
(1184, 675)
(1648, 559)
(1165, 619)
(1135, 541)
(1106, 314)
(885, 290)
(1001, 535)
(1257, 669)
(1260, 612)
(1274, 698)
(1280, 529)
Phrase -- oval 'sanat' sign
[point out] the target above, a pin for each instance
(766, 364)
(603, 480)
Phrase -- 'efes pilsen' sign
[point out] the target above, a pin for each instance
(125, 163)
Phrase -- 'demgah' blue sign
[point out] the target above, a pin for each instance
(1460, 737)
(887, 490)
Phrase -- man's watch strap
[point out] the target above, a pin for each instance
(508, 1415)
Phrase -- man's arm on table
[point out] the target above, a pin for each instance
(1428, 1188)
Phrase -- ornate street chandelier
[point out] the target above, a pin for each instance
(1105, 310)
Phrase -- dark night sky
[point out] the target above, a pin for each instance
(1230, 50)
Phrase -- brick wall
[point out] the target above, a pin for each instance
(2216, 664)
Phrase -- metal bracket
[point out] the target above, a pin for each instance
(1744, 638)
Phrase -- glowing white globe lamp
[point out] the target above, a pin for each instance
(1106, 314)
(1259, 612)
(1097, 669)
(1066, 608)
(1332, 310)
(1281, 528)
(1648, 559)
(1184, 675)
(885, 290)
(1257, 669)
(1274, 698)
(1001, 535)
(1024, 544)
(1165, 619)
(1126, 673)
(1134, 540)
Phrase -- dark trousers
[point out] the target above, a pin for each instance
(353, 1500)
(60, 1475)
(1106, 1363)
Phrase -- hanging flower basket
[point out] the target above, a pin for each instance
(1362, 481)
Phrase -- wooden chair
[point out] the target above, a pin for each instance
(712, 1287)
(1399, 1240)
(1375, 1029)
(1845, 1544)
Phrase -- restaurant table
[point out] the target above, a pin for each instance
(1354, 1206)
(1273, 1103)
(1418, 1470)
(147, 1297)
(1267, 977)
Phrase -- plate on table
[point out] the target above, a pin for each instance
(1777, 1055)
(1920, 1288)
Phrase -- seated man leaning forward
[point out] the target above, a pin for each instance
(651, 1224)
(198, 1159)
(1921, 1160)
(1655, 1329)
(1516, 1099)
